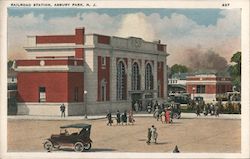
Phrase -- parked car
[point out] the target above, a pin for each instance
(176, 108)
(79, 139)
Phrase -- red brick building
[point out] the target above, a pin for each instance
(112, 71)
(208, 86)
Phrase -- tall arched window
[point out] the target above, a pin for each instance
(149, 78)
(121, 81)
(135, 77)
(103, 90)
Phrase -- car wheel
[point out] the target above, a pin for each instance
(48, 145)
(78, 147)
(87, 146)
(176, 116)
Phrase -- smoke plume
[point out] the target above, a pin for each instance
(208, 60)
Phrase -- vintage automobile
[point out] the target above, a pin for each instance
(176, 107)
(79, 139)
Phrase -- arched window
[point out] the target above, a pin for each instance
(135, 77)
(103, 90)
(121, 81)
(149, 78)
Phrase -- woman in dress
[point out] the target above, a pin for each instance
(163, 116)
(130, 117)
(167, 116)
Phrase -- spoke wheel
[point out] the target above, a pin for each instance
(87, 146)
(78, 147)
(48, 145)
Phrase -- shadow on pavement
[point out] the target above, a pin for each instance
(101, 149)
(91, 150)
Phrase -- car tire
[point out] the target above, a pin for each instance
(87, 146)
(176, 116)
(78, 147)
(48, 146)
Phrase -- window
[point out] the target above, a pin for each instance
(149, 78)
(121, 81)
(200, 89)
(135, 77)
(76, 94)
(103, 59)
(103, 90)
(42, 94)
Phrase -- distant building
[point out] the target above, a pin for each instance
(208, 86)
(177, 83)
(89, 72)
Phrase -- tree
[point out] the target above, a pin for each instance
(10, 63)
(176, 68)
(235, 70)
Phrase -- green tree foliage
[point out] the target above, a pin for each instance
(10, 63)
(235, 70)
(176, 68)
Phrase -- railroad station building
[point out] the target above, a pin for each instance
(208, 86)
(89, 73)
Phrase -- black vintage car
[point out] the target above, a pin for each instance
(79, 139)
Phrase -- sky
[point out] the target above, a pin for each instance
(185, 31)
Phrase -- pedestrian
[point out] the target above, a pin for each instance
(216, 109)
(62, 109)
(136, 106)
(140, 106)
(167, 116)
(149, 136)
(130, 117)
(118, 117)
(156, 113)
(198, 110)
(163, 116)
(124, 117)
(171, 115)
(154, 134)
(109, 116)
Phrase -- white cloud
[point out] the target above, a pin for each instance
(177, 31)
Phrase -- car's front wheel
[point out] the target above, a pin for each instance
(48, 145)
(87, 146)
(78, 147)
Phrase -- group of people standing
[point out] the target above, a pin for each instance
(166, 115)
(121, 119)
(208, 108)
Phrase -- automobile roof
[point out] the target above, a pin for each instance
(80, 125)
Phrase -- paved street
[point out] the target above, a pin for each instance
(191, 135)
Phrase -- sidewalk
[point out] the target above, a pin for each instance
(95, 117)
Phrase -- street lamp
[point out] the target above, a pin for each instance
(193, 92)
(85, 104)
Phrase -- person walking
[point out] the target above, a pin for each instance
(171, 115)
(136, 106)
(118, 117)
(167, 115)
(62, 109)
(216, 110)
(198, 110)
(109, 116)
(154, 134)
(163, 116)
(156, 113)
(149, 136)
(124, 117)
(130, 117)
